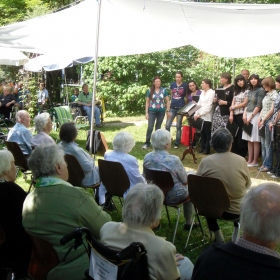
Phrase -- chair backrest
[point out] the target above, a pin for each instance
(208, 195)
(76, 173)
(163, 179)
(114, 177)
(43, 258)
(19, 157)
(102, 145)
(2, 235)
(132, 261)
(63, 115)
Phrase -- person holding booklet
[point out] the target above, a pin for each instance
(205, 113)
(250, 116)
(221, 112)
(265, 114)
(239, 102)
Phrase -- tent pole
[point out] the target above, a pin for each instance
(95, 74)
(233, 68)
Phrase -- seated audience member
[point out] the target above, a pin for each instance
(85, 99)
(55, 208)
(20, 132)
(123, 143)
(75, 95)
(232, 170)
(43, 126)
(68, 134)
(253, 256)
(7, 100)
(16, 249)
(160, 159)
(141, 213)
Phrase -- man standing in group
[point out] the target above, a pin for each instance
(85, 100)
(246, 74)
(43, 95)
(253, 256)
(22, 97)
(20, 132)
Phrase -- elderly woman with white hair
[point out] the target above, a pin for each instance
(43, 126)
(56, 208)
(123, 143)
(141, 213)
(160, 159)
(15, 250)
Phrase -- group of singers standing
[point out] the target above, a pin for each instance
(249, 100)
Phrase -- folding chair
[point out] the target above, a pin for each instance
(209, 198)
(43, 258)
(20, 160)
(76, 173)
(4, 129)
(132, 261)
(164, 181)
(114, 178)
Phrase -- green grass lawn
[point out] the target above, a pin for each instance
(137, 127)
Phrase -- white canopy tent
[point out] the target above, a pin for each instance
(138, 26)
(10, 56)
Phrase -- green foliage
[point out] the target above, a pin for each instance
(123, 81)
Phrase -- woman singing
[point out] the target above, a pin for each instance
(157, 102)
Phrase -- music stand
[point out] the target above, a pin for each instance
(189, 113)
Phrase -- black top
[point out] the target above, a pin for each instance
(6, 99)
(231, 262)
(228, 97)
(17, 246)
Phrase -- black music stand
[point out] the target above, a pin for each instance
(189, 150)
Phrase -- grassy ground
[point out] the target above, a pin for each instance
(137, 127)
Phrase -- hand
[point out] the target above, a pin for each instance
(260, 123)
(168, 114)
(244, 119)
(270, 126)
(230, 119)
(215, 99)
(147, 116)
(8, 104)
(222, 102)
(178, 257)
(195, 117)
(231, 108)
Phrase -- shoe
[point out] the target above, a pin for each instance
(265, 169)
(205, 152)
(188, 227)
(201, 151)
(145, 146)
(275, 176)
(253, 165)
(260, 168)
(176, 146)
(99, 125)
(270, 173)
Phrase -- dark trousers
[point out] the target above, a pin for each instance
(276, 169)
(154, 117)
(213, 224)
(205, 136)
(239, 146)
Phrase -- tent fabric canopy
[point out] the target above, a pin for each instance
(143, 26)
(10, 56)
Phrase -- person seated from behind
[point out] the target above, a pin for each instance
(43, 126)
(141, 213)
(75, 95)
(253, 256)
(85, 99)
(232, 170)
(123, 143)
(56, 208)
(20, 132)
(15, 250)
(68, 134)
(7, 101)
(160, 159)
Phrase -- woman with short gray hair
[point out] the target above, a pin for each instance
(232, 170)
(123, 143)
(54, 208)
(141, 213)
(43, 126)
(161, 160)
